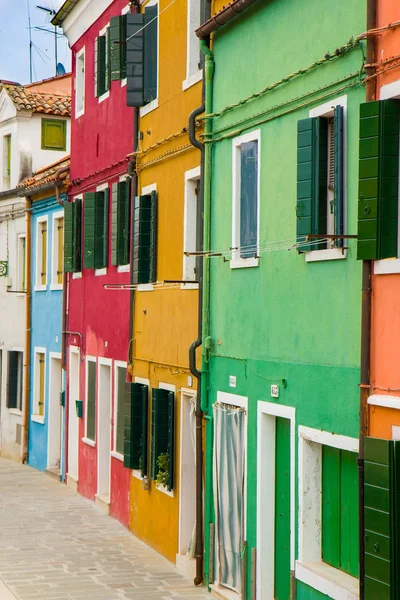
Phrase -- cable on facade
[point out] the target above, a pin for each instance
(378, 30)
(152, 20)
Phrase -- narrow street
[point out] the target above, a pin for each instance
(56, 545)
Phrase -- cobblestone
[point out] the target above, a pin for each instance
(56, 545)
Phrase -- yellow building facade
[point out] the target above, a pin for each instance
(165, 313)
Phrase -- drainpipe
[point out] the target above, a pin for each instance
(365, 321)
(58, 184)
(27, 387)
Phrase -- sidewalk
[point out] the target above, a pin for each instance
(56, 545)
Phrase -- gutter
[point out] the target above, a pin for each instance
(27, 357)
(64, 11)
(365, 321)
(11, 193)
(222, 17)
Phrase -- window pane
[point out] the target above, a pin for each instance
(12, 380)
(119, 425)
(91, 402)
(248, 198)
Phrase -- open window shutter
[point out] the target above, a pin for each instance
(114, 224)
(69, 237)
(171, 439)
(134, 59)
(338, 172)
(159, 427)
(150, 53)
(381, 482)
(118, 47)
(123, 223)
(153, 238)
(133, 428)
(89, 230)
(101, 65)
(101, 229)
(122, 52)
(108, 60)
(77, 235)
(96, 67)
(144, 238)
(144, 432)
(378, 180)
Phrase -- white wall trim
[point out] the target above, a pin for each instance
(384, 401)
(35, 408)
(192, 80)
(79, 113)
(50, 436)
(82, 17)
(390, 90)
(192, 178)
(105, 433)
(118, 364)
(386, 266)
(325, 438)
(73, 420)
(327, 254)
(336, 584)
(87, 361)
(233, 399)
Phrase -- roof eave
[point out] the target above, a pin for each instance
(64, 11)
(225, 15)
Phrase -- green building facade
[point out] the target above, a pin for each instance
(281, 335)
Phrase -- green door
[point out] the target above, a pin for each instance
(282, 509)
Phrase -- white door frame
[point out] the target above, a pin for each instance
(54, 430)
(103, 437)
(73, 421)
(267, 412)
(185, 436)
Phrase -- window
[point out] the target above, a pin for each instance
(136, 427)
(145, 238)
(21, 273)
(190, 224)
(72, 250)
(195, 16)
(320, 179)
(41, 254)
(40, 381)
(6, 160)
(119, 404)
(163, 437)
(328, 512)
(80, 84)
(102, 63)
(91, 399)
(95, 228)
(54, 134)
(246, 200)
(120, 223)
(118, 47)
(14, 379)
(58, 250)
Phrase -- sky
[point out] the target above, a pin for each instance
(14, 41)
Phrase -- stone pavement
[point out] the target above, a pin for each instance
(56, 545)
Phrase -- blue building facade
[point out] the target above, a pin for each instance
(46, 397)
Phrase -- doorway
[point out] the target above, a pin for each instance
(104, 433)
(54, 451)
(73, 422)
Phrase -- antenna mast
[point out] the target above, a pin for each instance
(30, 42)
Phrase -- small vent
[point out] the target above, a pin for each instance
(331, 154)
(18, 430)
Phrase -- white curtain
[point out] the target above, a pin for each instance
(228, 474)
(191, 550)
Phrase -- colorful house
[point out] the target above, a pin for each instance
(45, 192)
(96, 252)
(159, 435)
(34, 132)
(282, 298)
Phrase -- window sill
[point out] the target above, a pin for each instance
(137, 474)
(243, 263)
(15, 411)
(123, 268)
(328, 580)
(56, 286)
(145, 287)
(387, 266)
(189, 286)
(148, 108)
(161, 488)
(329, 254)
(89, 442)
(117, 455)
(37, 419)
(77, 275)
(99, 272)
(192, 80)
(40, 288)
(104, 96)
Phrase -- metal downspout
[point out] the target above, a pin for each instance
(365, 321)
(27, 387)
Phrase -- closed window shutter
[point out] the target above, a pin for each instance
(89, 230)
(135, 428)
(101, 229)
(101, 65)
(69, 238)
(77, 234)
(338, 128)
(382, 551)
(150, 53)
(145, 239)
(134, 59)
(118, 47)
(123, 223)
(108, 59)
(91, 402)
(171, 439)
(54, 134)
(114, 224)
(378, 180)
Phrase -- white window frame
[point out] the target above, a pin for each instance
(310, 568)
(194, 74)
(137, 473)
(21, 264)
(85, 439)
(118, 364)
(59, 214)
(327, 110)
(80, 81)
(102, 188)
(125, 11)
(387, 266)
(35, 416)
(148, 108)
(39, 287)
(107, 92)
(236, 261)
(192, 178)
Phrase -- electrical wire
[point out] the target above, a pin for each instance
(152, 20)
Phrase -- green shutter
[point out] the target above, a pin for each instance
(338, 128)
(145, 432)
(378, 180)
(101, 65)
(69, 237)
(135, 427)
(118, 47)
(331, 506)
(54, 134)
(382, 550)
(171, 439)
(101, 229)
(108, 59)
(89, 200)
(123, 223)
(114, 224)
(312, 174)
(91, 401)
(150, 53)
(77, 265)
(159, 427)
(144, 234)
(134, 59)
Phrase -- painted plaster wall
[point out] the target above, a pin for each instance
(46, 327)
(286, 319)
(165, 322)
(12, 326)
(385, 333)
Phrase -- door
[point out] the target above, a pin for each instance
(282, 509)
(55, 414)
(187, 488)
(73, 423)
(104, 432)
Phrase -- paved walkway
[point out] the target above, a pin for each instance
(56, 545)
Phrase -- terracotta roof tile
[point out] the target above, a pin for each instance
(39, 102)
(46, 175)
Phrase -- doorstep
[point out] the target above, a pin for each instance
(54, 473)
(72, 482)
(103, 502)
(223, 593)
(186, 565)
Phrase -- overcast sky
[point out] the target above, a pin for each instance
(14, 41)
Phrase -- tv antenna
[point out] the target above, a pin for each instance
(51, 12)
